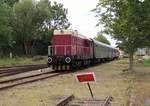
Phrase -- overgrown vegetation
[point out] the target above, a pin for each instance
(26, 26)
(127, 21)
(147, 63)
(5, 62)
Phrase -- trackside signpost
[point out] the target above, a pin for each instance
(86, 78)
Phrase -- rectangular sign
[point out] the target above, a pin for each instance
(86, 77)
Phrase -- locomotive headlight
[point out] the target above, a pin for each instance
(50, 59)
(67, 59)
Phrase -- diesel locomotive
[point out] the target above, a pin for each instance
(70, 50)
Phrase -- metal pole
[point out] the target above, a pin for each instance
(90, 90)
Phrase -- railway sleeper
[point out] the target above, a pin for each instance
(72, 101)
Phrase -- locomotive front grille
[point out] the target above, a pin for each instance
(58, 60)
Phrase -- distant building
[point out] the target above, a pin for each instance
(120, 52)
(141, 51)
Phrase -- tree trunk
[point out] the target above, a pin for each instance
(28, 45)
(32, 46)
(131, 61)
(25, 47)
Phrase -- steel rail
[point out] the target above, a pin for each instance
(65, 101)
(29, 81)
(107, 101)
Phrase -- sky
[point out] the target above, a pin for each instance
(81, 17)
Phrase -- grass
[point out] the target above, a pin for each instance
(4, 62)
(147, 63)
(109, 81)
(128, 89)
(123, 61)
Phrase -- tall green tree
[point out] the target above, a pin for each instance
(5, 28)
(9, 2)
(102, 39)
(59, 16)
(28, 21)
(33, 20)
(128, 21)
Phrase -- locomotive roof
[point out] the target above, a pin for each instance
(63, 32)
(70, 32)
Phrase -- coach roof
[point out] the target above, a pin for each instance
(102, 44)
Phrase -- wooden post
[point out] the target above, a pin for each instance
(90, 90)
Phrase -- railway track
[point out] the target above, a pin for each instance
(22, 81)
(71, 101)
(9, 83)
(21, 68)
(14, 76)
(9, 71)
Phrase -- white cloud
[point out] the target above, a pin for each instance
(81, 17)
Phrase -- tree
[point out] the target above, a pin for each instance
(59, 17)
(5, 28)
(28, 21)
(127, 21)
(56, 20)
(34, 19)
(102, 39)
(9, 2)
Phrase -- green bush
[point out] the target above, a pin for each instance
(147, 63)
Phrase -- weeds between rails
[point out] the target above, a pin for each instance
(28, 79)
(20, 68)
